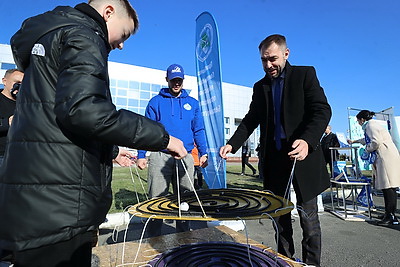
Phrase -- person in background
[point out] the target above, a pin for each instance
(123, 157)
(329, 140)
(181, 116)
(385, 159)
(292, 110)
(260, 164)
(198, 175)
(11, 80)
(246, 153)
(55, 181)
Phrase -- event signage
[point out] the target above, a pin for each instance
(210, 97)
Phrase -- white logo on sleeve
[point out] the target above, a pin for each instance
(38, 49)
(187, 106)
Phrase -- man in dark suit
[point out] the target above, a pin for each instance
(291, 132)
(329, 140)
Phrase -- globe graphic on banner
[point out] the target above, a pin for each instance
(204, 46)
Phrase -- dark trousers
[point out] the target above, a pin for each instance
(74, 252)
(198, 177)
(276, 177)
(309, 222)
(328, 160)
(390, 198)
(245, 162)
(261, 164)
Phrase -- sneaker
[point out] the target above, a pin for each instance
(395, 220)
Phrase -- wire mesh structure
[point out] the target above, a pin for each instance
(214, 204)
(218, 254)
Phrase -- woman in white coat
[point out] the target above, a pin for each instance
(386, 162)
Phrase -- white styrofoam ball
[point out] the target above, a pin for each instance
(184, 206)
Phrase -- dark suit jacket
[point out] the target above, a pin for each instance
(305, 115)
(328, 141)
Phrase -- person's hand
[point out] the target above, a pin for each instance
(176, 148)
(300, 150)
(141, 163)
(350, 141)
(125, 158)
(10, 119)
(203, 161)
(225, 150)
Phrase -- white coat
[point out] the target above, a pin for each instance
(387, 163)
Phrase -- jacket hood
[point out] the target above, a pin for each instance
(165, 93)
(24, 40)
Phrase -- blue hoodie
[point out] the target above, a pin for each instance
(181, 117)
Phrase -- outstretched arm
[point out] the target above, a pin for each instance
(225, 150)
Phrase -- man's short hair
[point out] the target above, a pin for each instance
(125, 6)
(278, 39)
(10, 71)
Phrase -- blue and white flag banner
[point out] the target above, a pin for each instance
(342, 139)
(356, 133)
(210, 97)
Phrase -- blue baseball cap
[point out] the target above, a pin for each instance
(175, 71)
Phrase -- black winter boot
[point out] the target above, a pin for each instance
(388, 219)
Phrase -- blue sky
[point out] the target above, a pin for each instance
(354, 45)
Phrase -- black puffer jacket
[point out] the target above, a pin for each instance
(55, 180)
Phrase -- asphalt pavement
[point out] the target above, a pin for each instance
(344, 243)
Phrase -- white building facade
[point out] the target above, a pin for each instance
(132, 87)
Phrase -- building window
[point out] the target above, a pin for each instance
(145, 95)
(122, 83)
(134, 85)
(113, 90)
(143, 103)
(121, 101)
(141, 111)
(145, 86)
(133, 93)
(155, 88)
(122, 92)
(237, 121)
(227, 120)
(227, 130)
(133, 103)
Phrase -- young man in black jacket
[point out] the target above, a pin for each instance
(63, 133)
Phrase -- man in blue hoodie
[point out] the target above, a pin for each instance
(181, 116)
